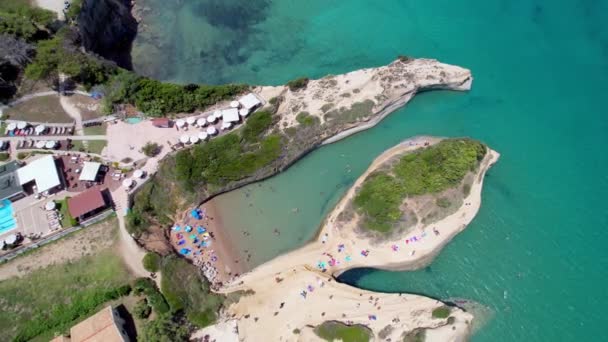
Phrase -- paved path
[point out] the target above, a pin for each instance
(55, 137)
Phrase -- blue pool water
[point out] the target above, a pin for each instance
(7, 220)
(133, 121)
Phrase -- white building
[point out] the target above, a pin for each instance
(250, 102)
(230, 115)
(43, 172)
(89, 171)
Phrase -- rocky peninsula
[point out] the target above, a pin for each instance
(280, 289)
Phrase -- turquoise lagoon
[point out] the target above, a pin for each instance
(536, 254)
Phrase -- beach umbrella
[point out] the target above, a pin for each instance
(184, 139)
(21, 125)
(234, 104)
(50, 144)
(11, 126)
(217, 114)
(127, 183)
(193, 139)
(190, 120)
(203, 136)
(40, 129)
(40, 144)
(211, 130)
(243, 112)
(11, 239)
(138, 174)
(211, 119)
(50, 205)
(201, 122)
(180, 123)
(226, 125)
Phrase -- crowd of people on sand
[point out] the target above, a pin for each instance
(328, 259)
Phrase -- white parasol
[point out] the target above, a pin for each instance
(180, 123)
(40, 129)
(211, 119)
(203, 136)
(127, 183)
(21, 125)
(193, 139)
(244, 112)
(11, 126)
(191, 121)
(50, 144)
(40, 144)
(138, 174)
(201, 122)
(211, 130)
(184, 139)
(234, 104)
(50, 206)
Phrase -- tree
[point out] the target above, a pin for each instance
(164, 329)
(142, 310)
(151, 262)
(151, 149)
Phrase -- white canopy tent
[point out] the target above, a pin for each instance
(201, 122)
(89, 171)
(211, 130)
(250, 101)
(42, 171)
(184, 139)
(230, 115)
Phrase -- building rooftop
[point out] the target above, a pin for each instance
(230, 115)
(100, 327)
(85, 202)
(249, 101)
(89, 171)
(9, 183)
(43, 171)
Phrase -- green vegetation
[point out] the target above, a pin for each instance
(165, 329)
(59, 54)
(305, 119)
(332, 331)
(428, 170)
(151, 149)
(142, 310)
(51, 299)
(67, 220)
(441, 312)
(20, 19)
(40, 109)
(92, 146)
(74, 10)
(158, 99)
(257, 124)
(95, 130)
(297, 84)
(4, 156)
(416, 335)
(188, 291)
(443, 202)
(357, 110)
(151, 262)
(156, 300)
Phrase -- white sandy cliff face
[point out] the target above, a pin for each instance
(388, 87)
(293, 292)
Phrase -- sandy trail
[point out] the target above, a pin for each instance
(52, 5)
(284, 285)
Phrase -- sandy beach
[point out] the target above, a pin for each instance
(219, 260)
(306, 276)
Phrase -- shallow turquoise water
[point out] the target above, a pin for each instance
(536, 253)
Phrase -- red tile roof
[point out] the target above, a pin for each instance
(85, 202)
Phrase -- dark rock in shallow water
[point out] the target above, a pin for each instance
(108, 29)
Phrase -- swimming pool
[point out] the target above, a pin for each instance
(133, 121)
(7, 220)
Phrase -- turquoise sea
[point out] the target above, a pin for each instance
(537, 253)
